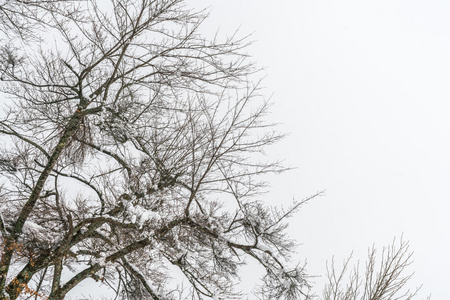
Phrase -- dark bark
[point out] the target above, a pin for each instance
(27, 208)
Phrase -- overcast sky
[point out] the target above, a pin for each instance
(363, 89)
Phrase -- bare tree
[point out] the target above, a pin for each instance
(385, 279)
(132, 155)
(23, 18)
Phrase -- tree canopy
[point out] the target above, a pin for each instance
(132, 155)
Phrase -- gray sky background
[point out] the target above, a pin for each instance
(363, 89)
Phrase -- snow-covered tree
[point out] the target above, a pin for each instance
(132, 155)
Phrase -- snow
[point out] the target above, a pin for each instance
(150, 284)
(38, 232)
(191, 254)
(105, 228)
(215, 225)
(285, 283)
(86, 92)
(269, 230)
(140, 215)
(99, 260)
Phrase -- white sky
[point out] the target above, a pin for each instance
(363, 89)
